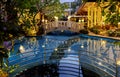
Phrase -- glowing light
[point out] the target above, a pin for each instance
(118, 24)
(56, 17)
(56, 49)
(69, 49)
(43, 46)
(69, 17)
(82, 46)
(103, 42)
(118, 62)
(62, 30)
(100, 63)
(21, 49)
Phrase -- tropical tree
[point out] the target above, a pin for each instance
(16, 14)
(50, 9)
(112, 14)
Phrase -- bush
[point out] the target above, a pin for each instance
(84, 31)
(95, 30)
(117, 33)
(111, 33)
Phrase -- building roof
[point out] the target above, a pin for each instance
(82, 10)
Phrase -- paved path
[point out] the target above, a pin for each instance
(92, 34)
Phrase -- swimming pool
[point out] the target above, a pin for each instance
(94, 53)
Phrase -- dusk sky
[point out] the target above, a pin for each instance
(62, 1)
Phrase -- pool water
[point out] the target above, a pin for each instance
(76, 55)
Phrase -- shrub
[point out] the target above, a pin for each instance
(117, 33)
(95, 30)
(111, 33)
(84, 31)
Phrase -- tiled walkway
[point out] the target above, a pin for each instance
(92, 34)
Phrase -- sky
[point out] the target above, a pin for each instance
(62, 1)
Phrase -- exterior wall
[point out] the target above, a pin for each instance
(94, 16)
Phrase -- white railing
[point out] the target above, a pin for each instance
(63, 25)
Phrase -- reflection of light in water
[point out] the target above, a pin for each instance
(103, 42)
(82, 46)
(62, 30)
(21, 49)
(56, 49)
(99, 63)
(33, 40)
(32, 43)
(118, 61)
(69, 49)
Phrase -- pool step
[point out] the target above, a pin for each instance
(118, 71)
(70, 67)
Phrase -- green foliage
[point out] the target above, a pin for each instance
(84, 31)
(95, 30)
(111, 33)
(51, 8)
(117, 43)
(115, 33)
(9, 69)
(113, 14)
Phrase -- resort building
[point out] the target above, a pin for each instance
(65, 48)
(91, 13)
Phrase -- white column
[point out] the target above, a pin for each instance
(56, 21)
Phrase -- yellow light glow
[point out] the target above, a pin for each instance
(56, 18)
(100, 63)
(56, 49)
(69, 17)
(118, 24)
(118, 61)
(82, 46)
(43, 46)
(21, 49)
(103, 42)
(69, 49)
(62, 30)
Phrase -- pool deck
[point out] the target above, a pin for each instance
(92, 34)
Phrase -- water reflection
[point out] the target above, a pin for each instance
(99, 47)
(102, 51)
